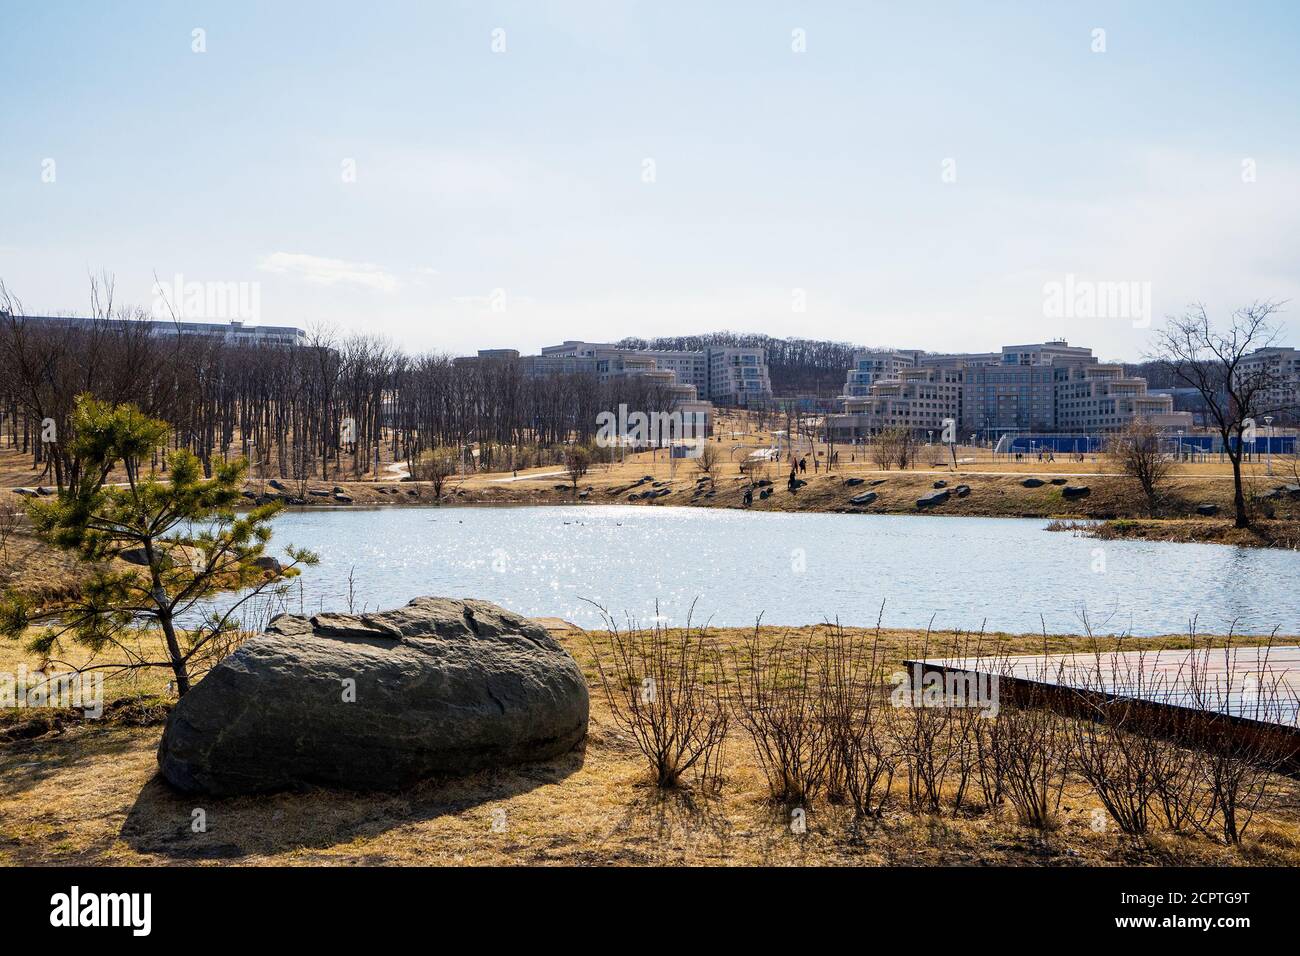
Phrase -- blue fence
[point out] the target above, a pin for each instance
(1059, 444)
(1089, 444)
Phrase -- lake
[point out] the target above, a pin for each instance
(1005, 574)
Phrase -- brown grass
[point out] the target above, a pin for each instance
(89, 794)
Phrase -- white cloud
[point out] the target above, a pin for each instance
(324, 271)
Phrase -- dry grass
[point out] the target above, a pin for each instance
(90, 795)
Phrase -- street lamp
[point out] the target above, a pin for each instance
(1268, 452)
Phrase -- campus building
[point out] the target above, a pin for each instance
(724, 375)
(1037, 388)
(1281, 365)
(235, 333)
(608, 364)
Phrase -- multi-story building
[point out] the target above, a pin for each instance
(739, 376)
(1047, 387)
(919, 399)
(1018, 392)
(876, 365)
(1280, 368)
(606, 364)
(1101, 398)
(235, 333)
(727, 375)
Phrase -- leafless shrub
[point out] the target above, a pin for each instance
(708, 461)
(1033, 746)
(1136, 453)
(435, 467)
(937, 731)
(778, 701)
(1116, 738)
(667, 689)
(1244, 743)
(893, 446)
(862, 760)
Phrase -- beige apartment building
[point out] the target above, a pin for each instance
(1044, 387)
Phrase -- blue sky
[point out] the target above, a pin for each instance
(500, 198)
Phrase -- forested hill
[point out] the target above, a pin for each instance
(796, 365)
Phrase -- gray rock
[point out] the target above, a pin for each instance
(866, 498)
(1032, 483)
(317, 493)
(45, 491)
(138, 556)
(443, 686)
(277, 485)
(962, 490)
(851, 482)
(941, 484)
(343, 499)
(1058, 481)
(25, 492)
(1076, 491)
(932, 499)
(268, 563)
(1207, 510)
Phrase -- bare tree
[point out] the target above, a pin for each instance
(1211, 362)
(9, 519)
(577, 460)
(707, 462)
(435, 467)
(1135, 451)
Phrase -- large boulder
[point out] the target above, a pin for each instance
(932, 499)
(376, 701)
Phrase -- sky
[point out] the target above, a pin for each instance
(464, 175)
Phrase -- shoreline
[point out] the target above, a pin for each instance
(1108, 501)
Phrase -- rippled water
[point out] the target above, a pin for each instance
(794, 568)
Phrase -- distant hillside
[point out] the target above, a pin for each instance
(796, 365)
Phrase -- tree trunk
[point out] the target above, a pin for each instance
(174, 654)
(1238, 496)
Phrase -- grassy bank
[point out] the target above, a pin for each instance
(87, 793)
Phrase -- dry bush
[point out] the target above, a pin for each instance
(893, 446)
(436, 467)
(1117, 744)
(709, 460)
(1237, 751)
(1136, 453)
(666, 688)
(779, 702)
(937, 730)
(857, 715)
(1033, 746)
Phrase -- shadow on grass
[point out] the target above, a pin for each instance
(164, 822)
(25, 764)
